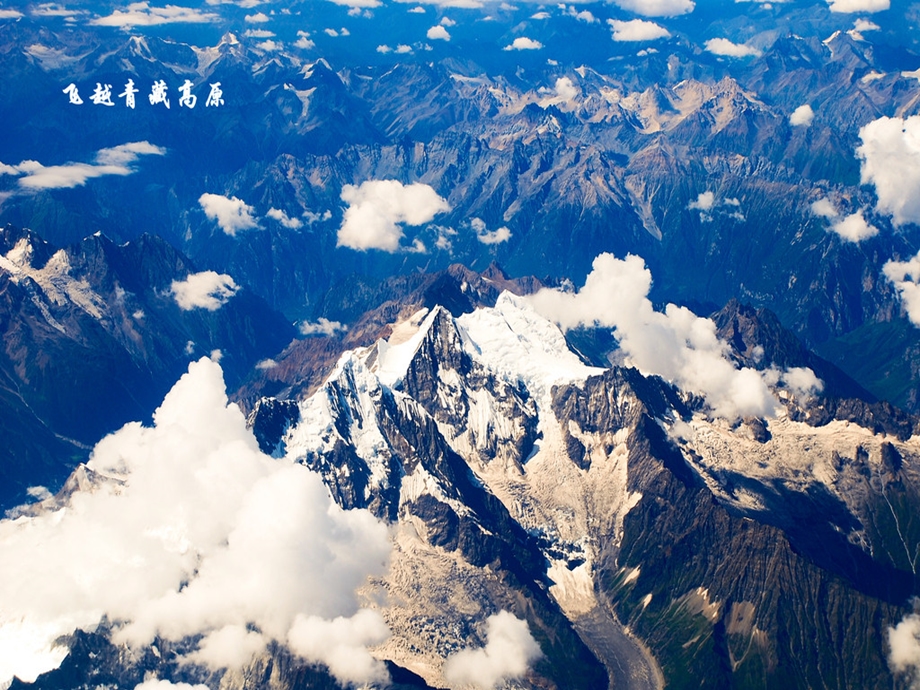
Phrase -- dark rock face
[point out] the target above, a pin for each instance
(269, 420)
(443, 378)
(725, 600)
(760, 341)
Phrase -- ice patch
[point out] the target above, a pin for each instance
(520, 345)
(395, 354)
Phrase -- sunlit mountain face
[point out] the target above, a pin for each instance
(460, 344)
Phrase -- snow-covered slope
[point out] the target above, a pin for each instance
(571, 453)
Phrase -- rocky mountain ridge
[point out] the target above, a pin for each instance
(583, 465)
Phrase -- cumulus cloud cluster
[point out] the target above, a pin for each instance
(231, 214)
(117, 160)
(890, 155)
(585, 16)
(377, 210)
(851, 228)
(192, 531)
(905, 276)
(284, 219)
(636, 30)
(802, 116)
(725, 48)
(657, 8)
(904, 643)
(509, 651)
(703, 203)
(486, 236)
(851, 6)
(142, 14)
(322, 326)
(707, 205)
(523, 43)
(675, 344)
(206, 290)
(438, 33)
(564, 91)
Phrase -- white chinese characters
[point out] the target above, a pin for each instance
(128, 94)
(159, 95)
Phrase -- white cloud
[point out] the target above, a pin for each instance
(190, 531)
(284, 219)
(321, 326)
(854, 228)
(540, 15)
(52, 9)
(447, 21)
(637, 30)
(703, 203)
(142, 14)
(342, 644)
(204, 290)
(904, 643)
(802, 116)
(39, 493)
(384, 49)
(111, 161)
(125, 154)
(465, 4)
(824, 208)
(304, 41)
(509, 651)
(245, 4)
(157, 684)
(231, 214)
(676, 344)
(563, 91)
(270, 46)
(10, 14)
(257, 18)
(378, 208)
(497, 236)
(890, 155)
(862, 25)
(486, 236)
(417, 10)
(657, 8)
(851, 6)
(523, 43)
(582, 15)
(905, 276)
(724, 47)
(227, 647)
(358, 4)
(438, 33)
(402, 49)
(266, 364)
(258, 33)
